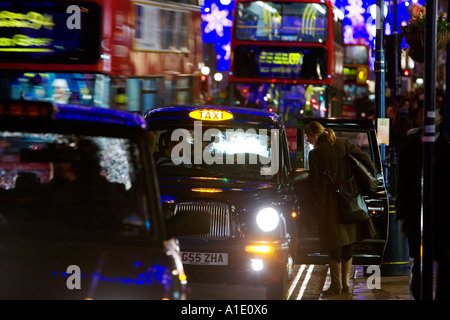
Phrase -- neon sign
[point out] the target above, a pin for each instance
(286, 58)
(23, 40)
(278, 63)
(32, 20)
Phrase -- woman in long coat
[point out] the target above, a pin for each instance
(336, 239)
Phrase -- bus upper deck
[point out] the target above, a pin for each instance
(287, 56)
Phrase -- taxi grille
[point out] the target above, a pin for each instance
(220, 218)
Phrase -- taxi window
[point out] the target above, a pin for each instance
(358, 138)
(71, 182)
(218, 152)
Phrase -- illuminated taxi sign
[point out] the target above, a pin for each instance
(211, 115)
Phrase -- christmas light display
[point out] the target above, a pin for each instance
(217, 21)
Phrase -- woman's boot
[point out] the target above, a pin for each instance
(335, 274)
(346, 269)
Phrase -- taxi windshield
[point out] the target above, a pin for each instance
(228, 152)
(70, 184)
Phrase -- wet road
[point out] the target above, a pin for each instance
(307, 284)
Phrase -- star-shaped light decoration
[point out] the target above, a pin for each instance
(216, 20)
(355, 11)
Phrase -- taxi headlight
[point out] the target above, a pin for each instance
(267, 219)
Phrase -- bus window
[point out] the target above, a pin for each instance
(73, 88)
(280, 62)
(356, 89)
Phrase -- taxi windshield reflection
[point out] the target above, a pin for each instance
(224, 152)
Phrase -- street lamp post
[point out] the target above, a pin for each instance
(379, 68)
(428, 149)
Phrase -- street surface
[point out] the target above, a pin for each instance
(307, 284)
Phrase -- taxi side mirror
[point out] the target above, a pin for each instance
(299, 175)
(189, 224)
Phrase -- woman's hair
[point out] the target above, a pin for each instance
(315, 129)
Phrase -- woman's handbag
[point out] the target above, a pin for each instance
(366, 181)
(351, 205)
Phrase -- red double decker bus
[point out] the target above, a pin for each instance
(124, 54)
(287, 56)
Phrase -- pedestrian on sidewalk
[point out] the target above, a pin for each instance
(409, 206)
(336, 238)
(409, 201)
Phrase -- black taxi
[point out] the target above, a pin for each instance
(80, 216)
(363, 134)
(232, 164)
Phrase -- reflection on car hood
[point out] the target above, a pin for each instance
(192, 188)
(35, 268)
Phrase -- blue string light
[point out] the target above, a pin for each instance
(217, 19)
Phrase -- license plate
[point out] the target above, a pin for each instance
(204, 258)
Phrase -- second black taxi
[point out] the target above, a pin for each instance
(79, 207)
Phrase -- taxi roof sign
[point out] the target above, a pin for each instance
(211, 115)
